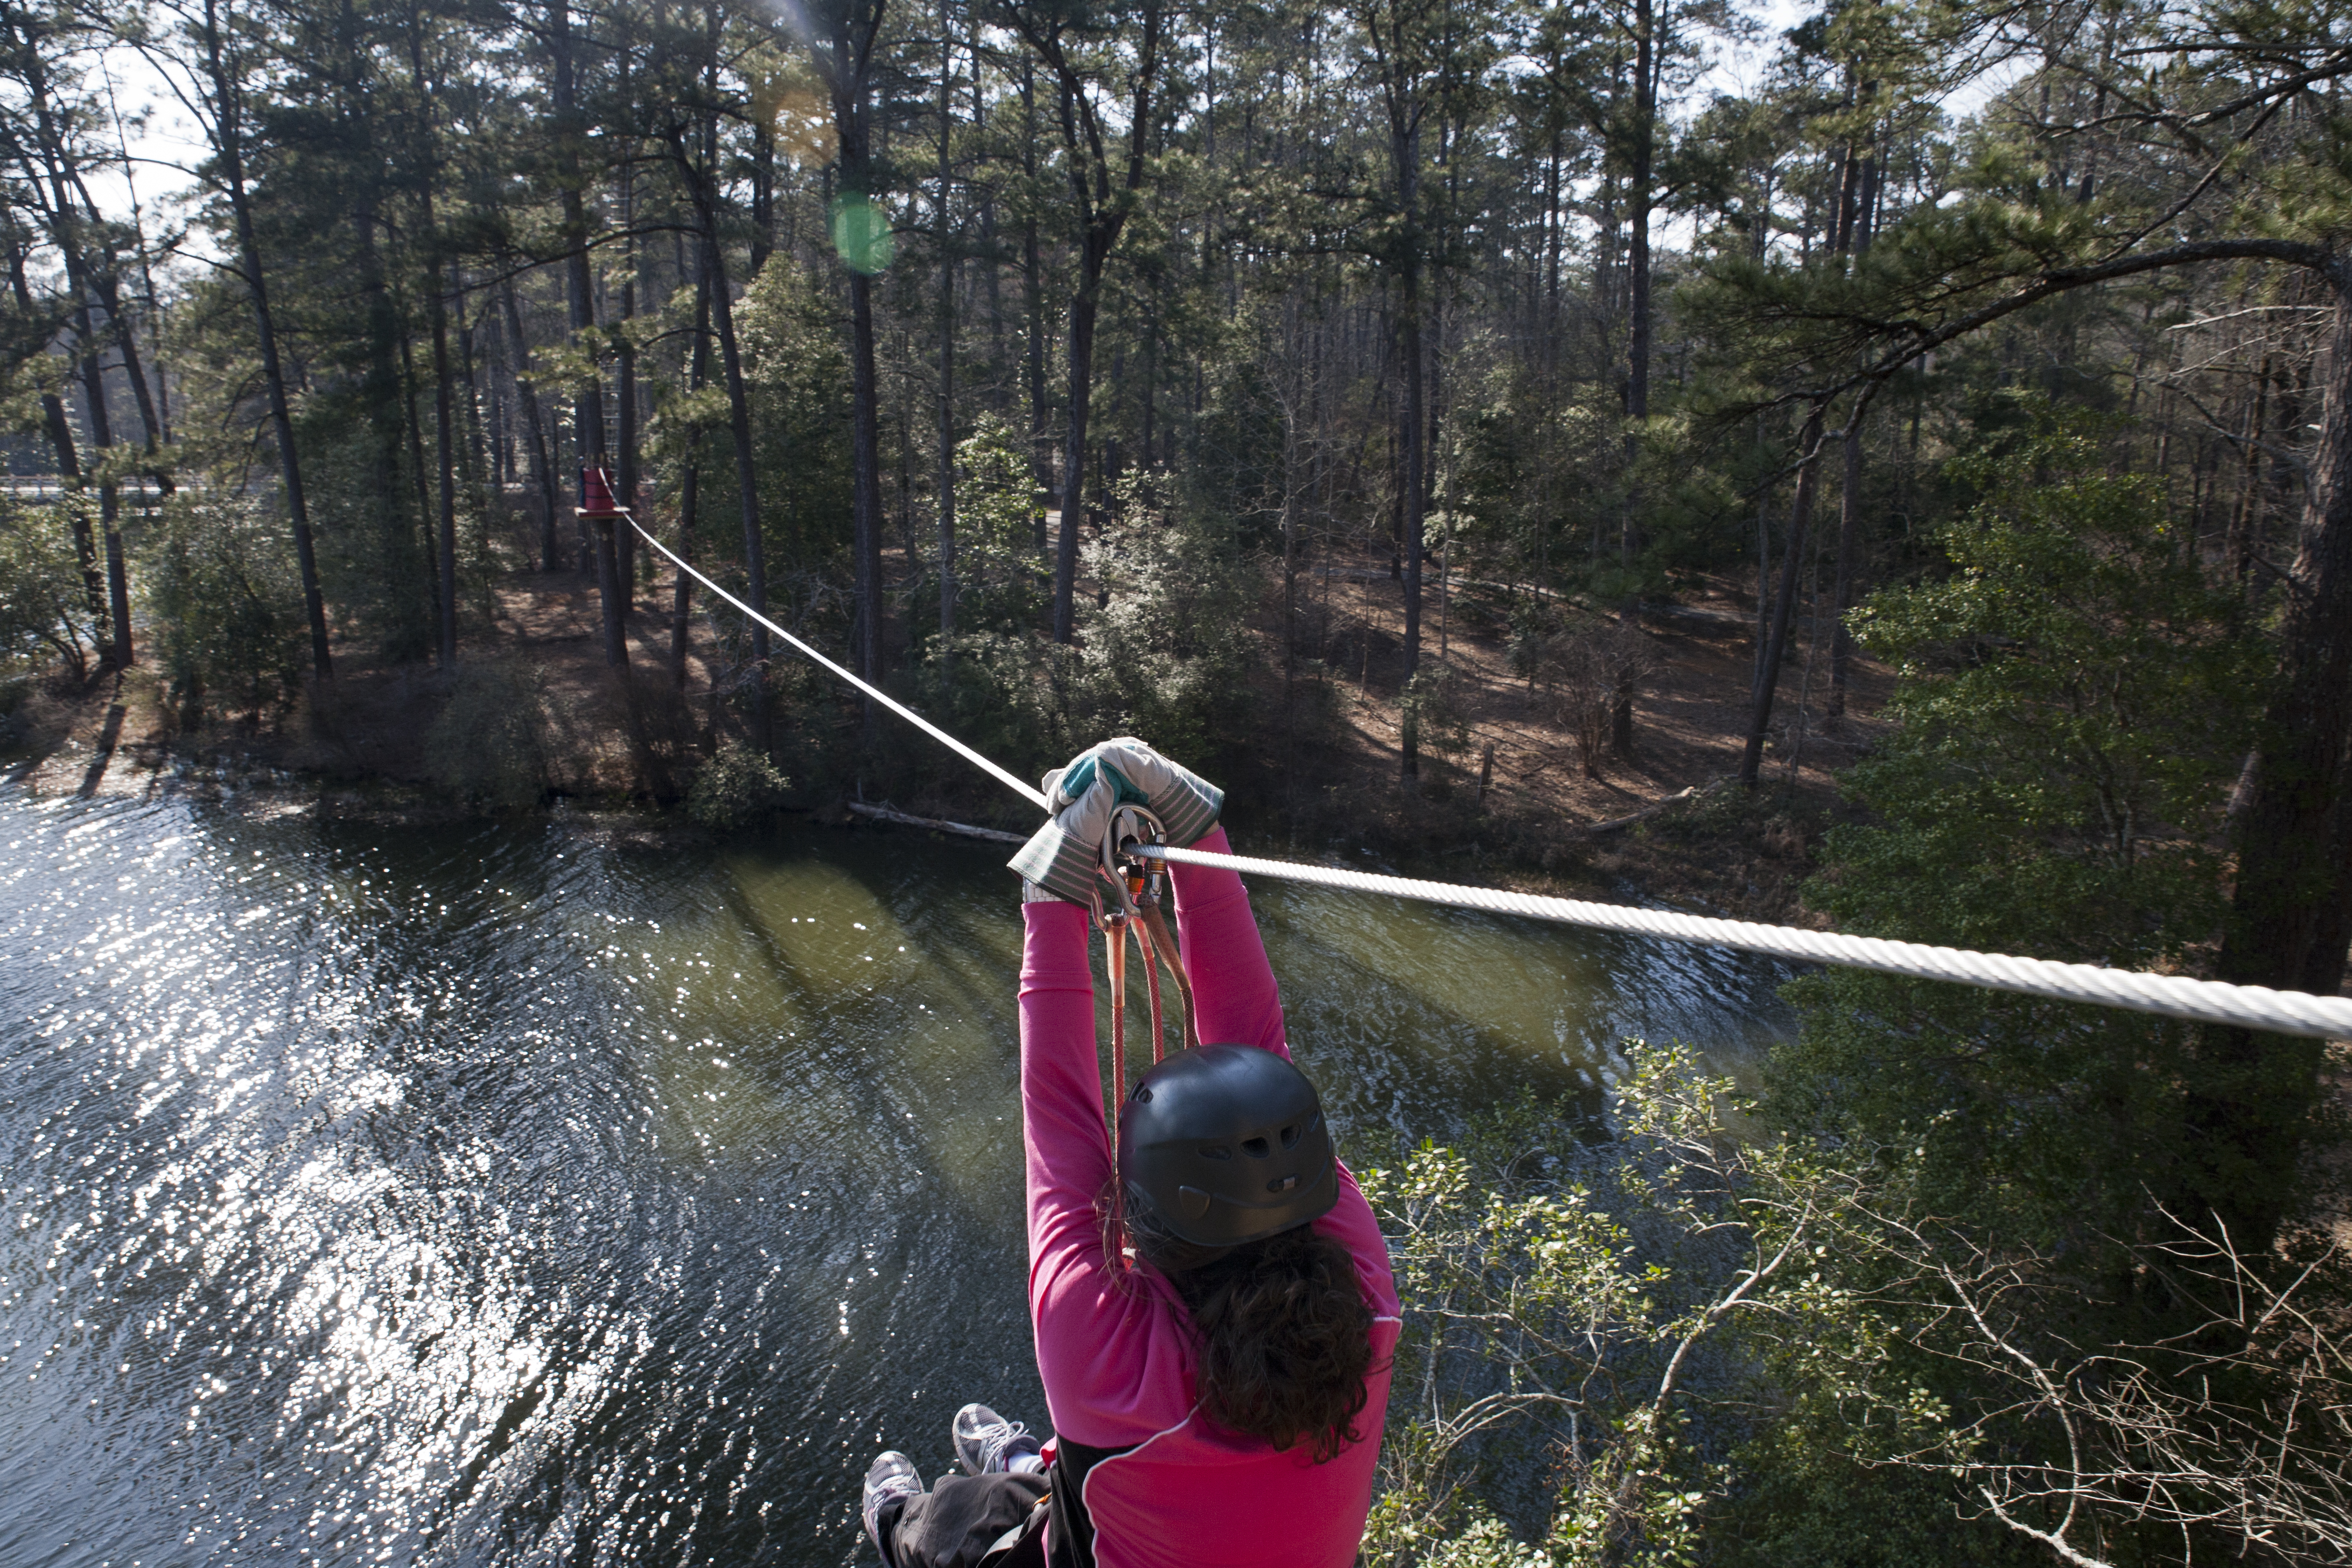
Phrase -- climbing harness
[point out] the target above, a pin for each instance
(2167, 995)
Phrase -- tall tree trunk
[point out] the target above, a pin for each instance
(1101, 217)
(747, 480)
(2245, 518)
(475, 470)
(689, 489)
(1640, 193)
(419, 472)
(1411, 494)
(1841, 597)
(865, 457)
(1081, 358)
(946, 341)
(1767, 678)
(93, 580)
(696, 171)
(445, 454)
(542, 461)
(1034, 306)
(624, 539)
(763, 193)
(120, 651)
(109, 610)
(1858, 234)
(579, 285)
(624, 353)
(436, 312)
(229, 151)
(126, 339)
(846, 60)
(1404, 147)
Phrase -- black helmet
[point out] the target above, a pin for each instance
(1224, 1146)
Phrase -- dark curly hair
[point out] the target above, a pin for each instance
(1281, 1337)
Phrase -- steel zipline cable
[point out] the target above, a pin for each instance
(2168, 995)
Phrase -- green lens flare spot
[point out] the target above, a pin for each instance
(861, 233)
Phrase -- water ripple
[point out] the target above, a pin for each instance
(501, 1195)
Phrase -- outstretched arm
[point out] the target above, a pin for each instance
(1233, 984)
(1062, 1134)
(1109, 1348)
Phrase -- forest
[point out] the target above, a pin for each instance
(1050, 361)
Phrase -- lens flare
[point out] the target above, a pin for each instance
(861, 233)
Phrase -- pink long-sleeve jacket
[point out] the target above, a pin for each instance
(1168, 1490)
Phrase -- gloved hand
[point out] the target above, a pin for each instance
(1061, 857)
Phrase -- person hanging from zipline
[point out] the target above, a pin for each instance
(1214, 1312)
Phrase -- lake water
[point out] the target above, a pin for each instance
(514, 1195)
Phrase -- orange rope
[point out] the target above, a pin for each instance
(1151, 980)
(1164, 942)
(1115, 933)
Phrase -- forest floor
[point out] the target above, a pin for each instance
(1540, 812)
(1664, 821)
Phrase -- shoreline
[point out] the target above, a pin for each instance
(1658, 853)
(1511, 806)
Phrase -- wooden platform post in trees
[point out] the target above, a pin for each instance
(600, 510)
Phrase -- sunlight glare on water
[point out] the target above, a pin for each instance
(510, 1195)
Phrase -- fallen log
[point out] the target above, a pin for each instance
(908, 819)
(1618, 824)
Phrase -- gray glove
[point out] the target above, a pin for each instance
(1061, 857)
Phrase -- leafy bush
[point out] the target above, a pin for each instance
(798, 377)
(491, 745)
(738, 787)
(1166, 654)
(1675, 1345)
(375, 564)
(1431, 717)
(998, 691)
(1002, 585)
(2073, 703)
(44, 603)
(1565, 1305)
(225, 603)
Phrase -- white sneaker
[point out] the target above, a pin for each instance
(987, 1444)
(893, 1475)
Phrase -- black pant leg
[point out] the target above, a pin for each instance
(955, 1524)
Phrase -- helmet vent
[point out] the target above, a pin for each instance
(1290, 1136)
(1215, 1152)
(1257, 1148)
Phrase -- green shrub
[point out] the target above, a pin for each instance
(1165, 653)
(375, 563)
(738, 787)
(225, 602)
(2073, 705)
(1002, 585)
(44, 603)
(1168, 654)
(1434, 721)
